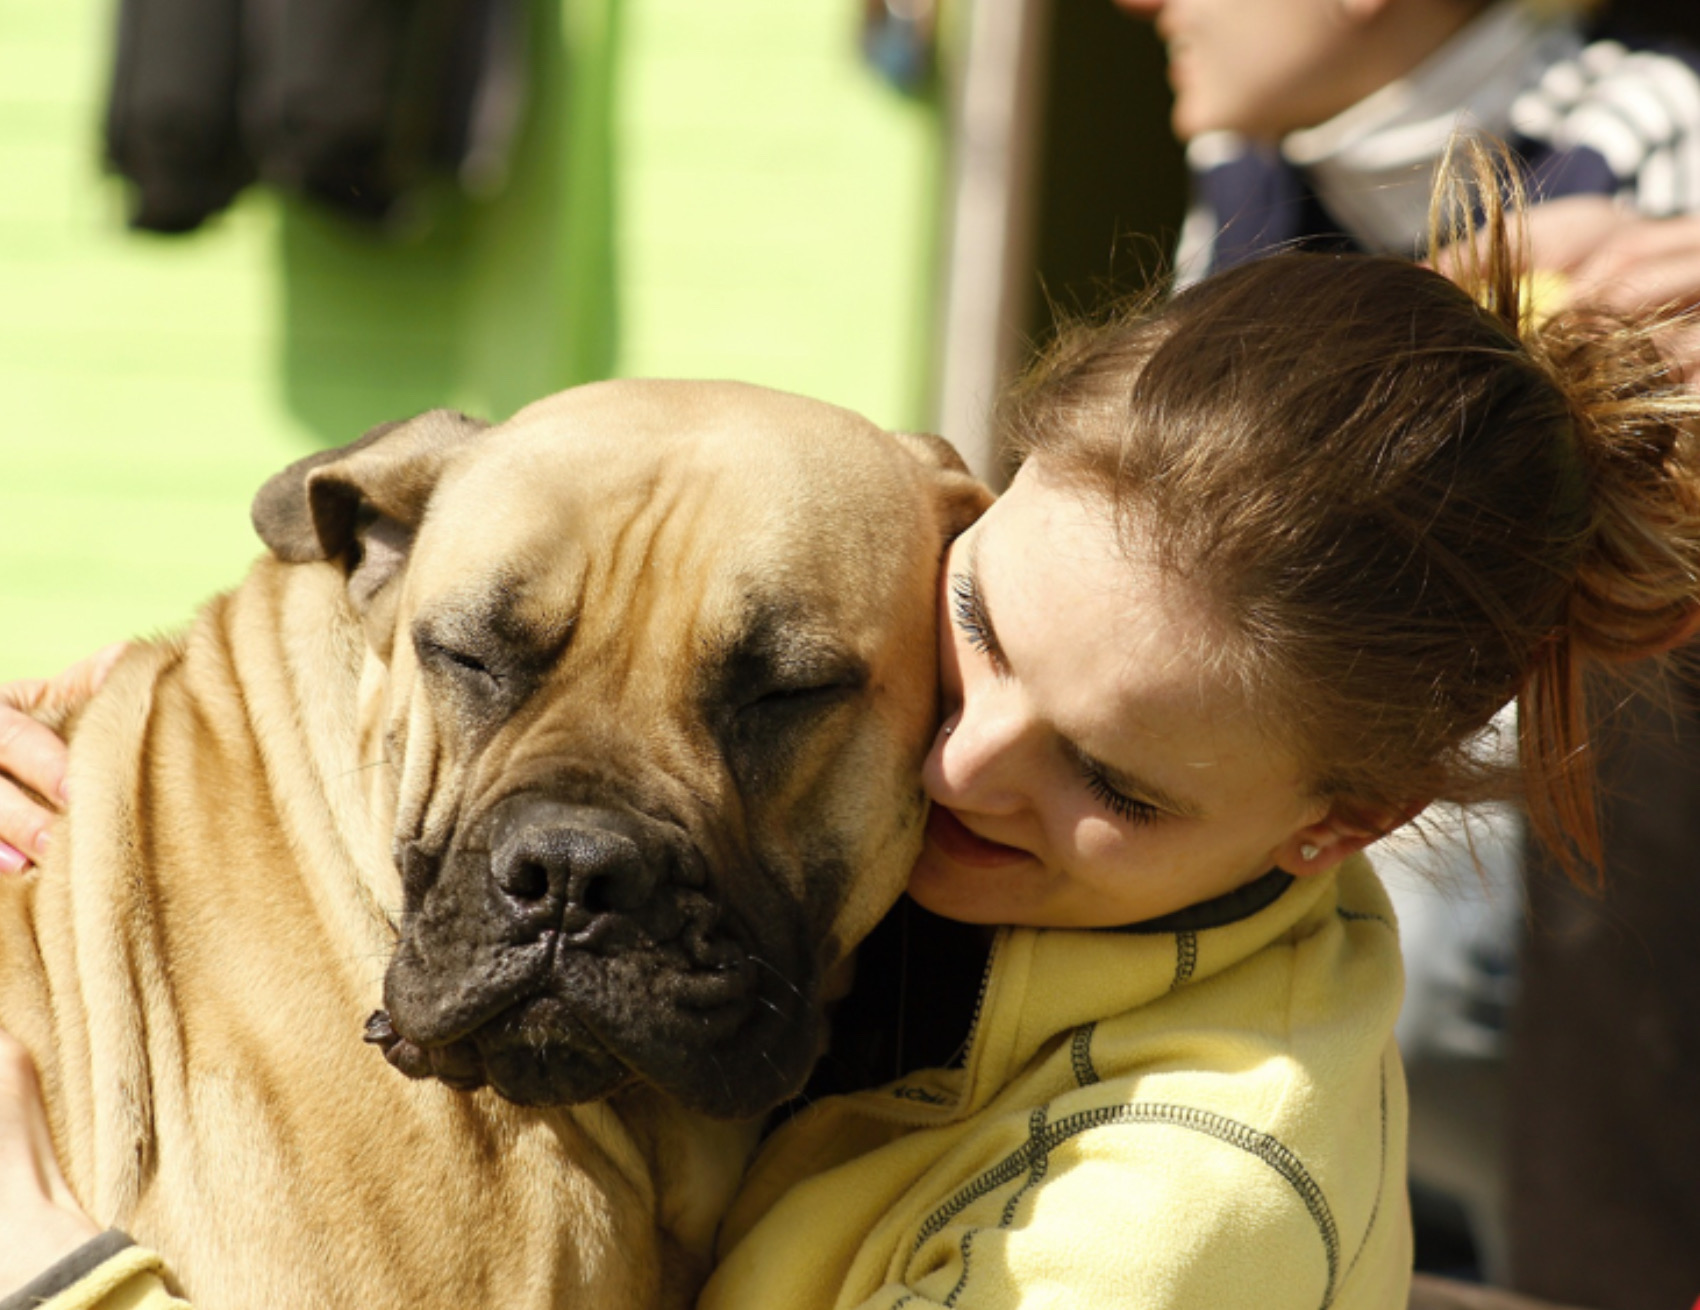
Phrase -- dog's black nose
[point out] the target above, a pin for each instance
(569, 863)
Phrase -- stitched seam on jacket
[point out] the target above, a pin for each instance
(1041, 1165)
(1363, 916)
(1080, 1054)
(1380, 1181)
(1186, 957)
(1270, 1150)
(962, 1280)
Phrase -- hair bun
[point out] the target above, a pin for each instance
(1637, 566)
(1637, 589)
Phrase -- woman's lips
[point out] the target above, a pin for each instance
(953, 838)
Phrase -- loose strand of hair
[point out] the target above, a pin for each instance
(1557, 753)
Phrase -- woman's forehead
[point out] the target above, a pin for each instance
(1117, 650)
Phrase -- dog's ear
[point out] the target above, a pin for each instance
(359, 506)
(960, 496)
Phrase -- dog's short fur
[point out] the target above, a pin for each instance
(585, 746)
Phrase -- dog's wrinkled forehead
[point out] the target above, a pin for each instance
(619, 489)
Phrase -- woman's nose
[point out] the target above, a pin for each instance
(977, 758)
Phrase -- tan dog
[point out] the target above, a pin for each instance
(601, 730)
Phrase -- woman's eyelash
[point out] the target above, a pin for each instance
(969, 611)
(1124, 807)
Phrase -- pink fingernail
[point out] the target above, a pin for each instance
(12, 861)
(43, 840)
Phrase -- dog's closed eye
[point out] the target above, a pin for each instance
(807, 696)
(459, 663)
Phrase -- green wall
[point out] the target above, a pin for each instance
(703, 190)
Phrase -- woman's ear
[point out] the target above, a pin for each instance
(1344, 830)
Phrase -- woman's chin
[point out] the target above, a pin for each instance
(945, 892)
(969, 895)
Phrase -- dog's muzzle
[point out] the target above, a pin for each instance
(565, 949)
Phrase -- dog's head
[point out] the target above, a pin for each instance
(653, 667)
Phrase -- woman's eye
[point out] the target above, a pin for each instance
(1123, 806)
(968, 610)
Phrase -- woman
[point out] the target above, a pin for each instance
(1277, 553)
(1317, 124)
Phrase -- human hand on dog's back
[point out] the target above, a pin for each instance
(42, 1222)
(34, 756)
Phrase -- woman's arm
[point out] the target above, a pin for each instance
(42, 1221)
(34, 756)
(54, 1257)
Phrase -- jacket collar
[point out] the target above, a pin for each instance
(1042, 983)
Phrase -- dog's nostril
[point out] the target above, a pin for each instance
(543, 870)
(527, 881)
(597, 896)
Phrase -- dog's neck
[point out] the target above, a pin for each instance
(696, 1164)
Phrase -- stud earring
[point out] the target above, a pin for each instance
(948, 731)
(1307, 852)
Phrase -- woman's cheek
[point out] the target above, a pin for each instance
(1097, 838)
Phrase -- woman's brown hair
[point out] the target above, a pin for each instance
(1408, 500)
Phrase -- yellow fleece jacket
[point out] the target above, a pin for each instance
(110, 1272)
(1190, 1120)
(1196, 1119)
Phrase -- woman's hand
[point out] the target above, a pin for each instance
(1608, 256)
(38, 1214)
(1616, 259)
(35, 756)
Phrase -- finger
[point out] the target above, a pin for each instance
(34, 755)
(25, 826)
(1644, 238)
(1564, 234)
(1651, 282)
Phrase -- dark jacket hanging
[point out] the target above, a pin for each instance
(353, 103)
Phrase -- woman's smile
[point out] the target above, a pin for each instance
(962, 844)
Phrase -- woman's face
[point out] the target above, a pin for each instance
(1093, 767)
(1261, 68)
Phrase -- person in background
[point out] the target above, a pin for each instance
(1318, 124)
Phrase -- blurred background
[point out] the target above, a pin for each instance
(868, 201)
